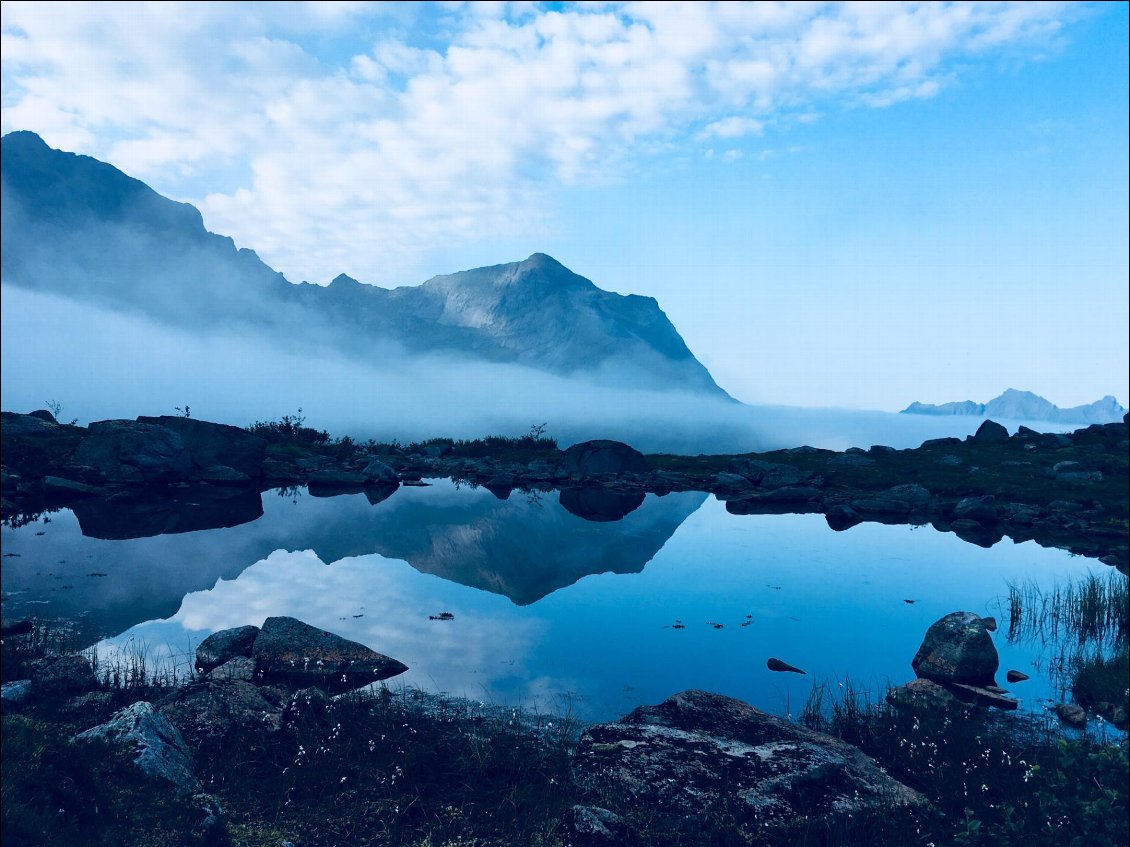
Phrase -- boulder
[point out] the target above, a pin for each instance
(921, 694)
(698, 750)
(226, 644)
(1016, 676)
(379, 473)
(160, 749)
(56, 675)
(989, 432)
(297, 654)
(602, 457)
(15, 692)
(134, 453)
(980, 509)
(592, 826)
(205, 712)
(958, 649)
(211, 444)
(240, 667)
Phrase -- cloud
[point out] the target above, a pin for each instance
(348, 137)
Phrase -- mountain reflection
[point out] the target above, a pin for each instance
(112, 564)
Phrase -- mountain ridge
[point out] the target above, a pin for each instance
(81, 227)
(1025, 405)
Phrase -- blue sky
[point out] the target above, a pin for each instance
(836, 205)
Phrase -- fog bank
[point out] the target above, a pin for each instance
(101, 364)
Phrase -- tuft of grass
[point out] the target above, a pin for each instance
(1094, 610)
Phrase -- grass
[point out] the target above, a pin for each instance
(1093, 611)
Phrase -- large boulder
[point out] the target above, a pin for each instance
(299, 655)
(226, 644)
(602, 457)
(135, 453)
(958, 650)
(212, 444)
(989, 432)
(159, 747)
(698, 750)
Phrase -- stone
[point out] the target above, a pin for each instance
(205, 712)
(57, 675)
(226, 644)
(599, 504)
(297, 654)
(239, 667)
(1016, 676)
(211, 444)
(921, 694)
(134, 453)
(160, 749)
(223, 475)
(915, 496)
(15, 692)
(980, 509)
(989, 432)
(841, 517)
(55, 486)
(592, 826)
(985, 695)
(782, 667)
(380, 473)
(590, 458)
(767, 474)
(1071, 715)
(958, 649)
(697, 750)
(990, 623)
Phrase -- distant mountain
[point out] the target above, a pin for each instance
(1026, 406)
(76, 226)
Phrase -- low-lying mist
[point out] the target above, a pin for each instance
(101, 364)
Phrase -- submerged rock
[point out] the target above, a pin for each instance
(958, 649)
(698, 750)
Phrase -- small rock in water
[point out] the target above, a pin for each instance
(1072, 715)
(442, 616)
(782, 667)
(910, 602)
(1016, 676)
(990, 623)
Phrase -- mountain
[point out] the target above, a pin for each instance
(1026, 406)
(76, 226)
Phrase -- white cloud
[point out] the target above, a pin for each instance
(451, 123)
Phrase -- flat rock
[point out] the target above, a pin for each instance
(697, 750)
(922, 694)
(983, 695)
(297, 654)
(135, 453)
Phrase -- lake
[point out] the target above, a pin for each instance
(547, 610)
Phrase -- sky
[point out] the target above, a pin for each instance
(848, 205)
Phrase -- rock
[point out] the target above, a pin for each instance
(290, 651)
(1016, 676)
(377, 493)
(985, 696)
(223, 475)
(790, 494)
(941, 442)
(333, 481)
(990, 431)
(980, 509)
(1072, 715)
(226, 644)
(161, 750)
(15, 692)
(851, 460)
(733, 482)
(592, 826)
(767, 474)
(55, 675)
(308, 706)
(379, 473)
(55, 486)
(921, 694)
(699, 750)
(211, 444)
(990, 623)
(134, 453)
(16, 425)
(602, 457)
(958, 649)
(14, 628)
(782, 667)
(207, 711)
(43, 415)
(240, 667)
(915, 496)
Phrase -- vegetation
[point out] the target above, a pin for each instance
(1093, 611)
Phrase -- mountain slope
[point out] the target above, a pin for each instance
(1026, 406)
(75, 226)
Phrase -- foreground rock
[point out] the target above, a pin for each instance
(159, 747)
(696, 750)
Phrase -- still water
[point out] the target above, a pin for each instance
(548, 610)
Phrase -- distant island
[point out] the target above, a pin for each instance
(1026, 406)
